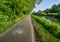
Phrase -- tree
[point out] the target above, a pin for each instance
(38, 1)
(14, 8)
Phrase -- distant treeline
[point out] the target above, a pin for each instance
(54, 11)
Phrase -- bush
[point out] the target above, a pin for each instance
(52, 27)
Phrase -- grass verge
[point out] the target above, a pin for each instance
(6, 25)
(43, 31)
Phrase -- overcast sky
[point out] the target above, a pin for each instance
(46, 4)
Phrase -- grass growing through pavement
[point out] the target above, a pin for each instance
(49, 31)
(7, 24)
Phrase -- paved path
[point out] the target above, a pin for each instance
(20, 32)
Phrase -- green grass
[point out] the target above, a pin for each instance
(56, 20)
(48, 30)
(7, 24)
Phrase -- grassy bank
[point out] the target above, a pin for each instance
(7, 24)
(49, 31)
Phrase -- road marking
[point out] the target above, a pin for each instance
(18, 31)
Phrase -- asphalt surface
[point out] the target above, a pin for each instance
(20, 32)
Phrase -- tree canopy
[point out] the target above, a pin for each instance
(54, 9)
(14, 8)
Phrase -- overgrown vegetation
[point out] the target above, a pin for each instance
(47, 29)
(50, 13)
(47, 23)
(13, 10)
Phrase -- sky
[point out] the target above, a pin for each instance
(45, 4)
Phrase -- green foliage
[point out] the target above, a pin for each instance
(54, 9)
(39, 13)
(11, 10)
(44, 34)
(5, 24)
(52, 27)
